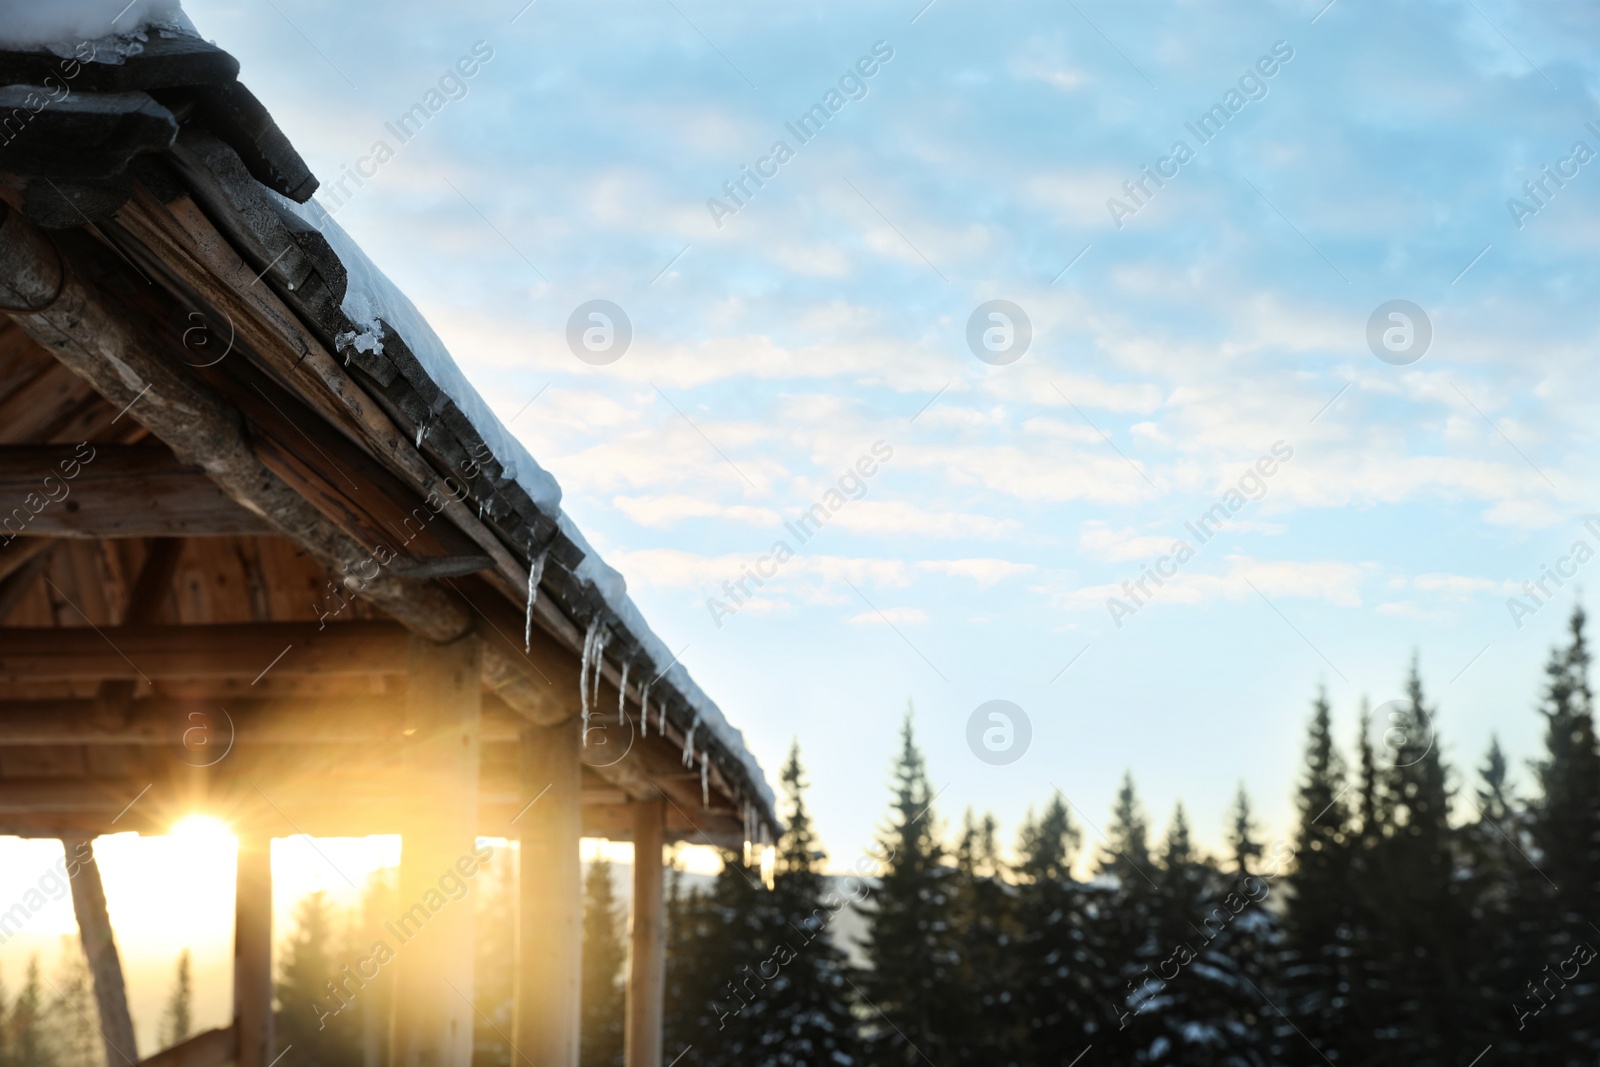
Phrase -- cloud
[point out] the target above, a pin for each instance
(890, 616)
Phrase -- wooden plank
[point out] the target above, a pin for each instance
(105, 966)
(213, 1048)
(239, 650)
(252, 1031)
(25, 562)
(433, 1017)
(143, 607)
(138, 490)
(549, 949)
(648, 958)
(295, 721)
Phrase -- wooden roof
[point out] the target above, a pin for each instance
(194, 461)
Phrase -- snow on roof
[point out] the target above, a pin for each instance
(370, 296)
(59, 25)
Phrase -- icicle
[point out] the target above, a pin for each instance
(535, 575)
(422, 431)
(600, 641)
(622, 696)
(688, 742)
(705, 781)
(662, 724)
(589, 641)
(644, 710)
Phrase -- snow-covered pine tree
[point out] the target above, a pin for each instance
(984, 923)
(1314, 969)
(718, 999)
(1566, 828)
(812, 1021)
(1416, 899)
(601, 1028)
(914, 989)
(1201, 1008)
(1122, 901)
(1059, 1007)
(1510, 903)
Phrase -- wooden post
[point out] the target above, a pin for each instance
(549, 898)
(647, 969)
(105, 967)
(432, 934)
(252, 951)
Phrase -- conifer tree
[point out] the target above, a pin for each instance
(1241, 834)
(1509, 901)
(1058, 1001)
(600, 1035)
(1419, 907)
(72, 1035)
(687, 989)
(27, 1041)
(812, 1019)
(1124, 903)
(1566, 828)
(178, 1021)
(982, 916)
(1199, 1006)
(717, 993)
(914, 985)
(1315, 970)
(312, 1016)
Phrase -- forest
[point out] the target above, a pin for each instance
(1416, 914)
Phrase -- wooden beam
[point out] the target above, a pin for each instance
(251, 1036)
(28, 560)
(94, 331)
(549, 950)
(105, 966)
(229, 650)
(298, 720)
(13, 554)
(433, 1019)
(144, 605)
(647, 966)
(213, 1048)
(138, 490)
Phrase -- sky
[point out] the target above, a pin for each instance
(1223, 326)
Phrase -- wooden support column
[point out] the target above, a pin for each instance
(105, 967)
(647, 969)
(549, 961)
(433, 934)
(252, 952)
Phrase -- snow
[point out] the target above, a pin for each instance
(369, 296)
(60, 25)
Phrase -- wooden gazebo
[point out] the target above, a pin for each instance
(264, 553)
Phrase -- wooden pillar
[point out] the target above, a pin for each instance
(105, 966)
(252, 951)
(549, 961)
(432, 934)
(647, 969)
